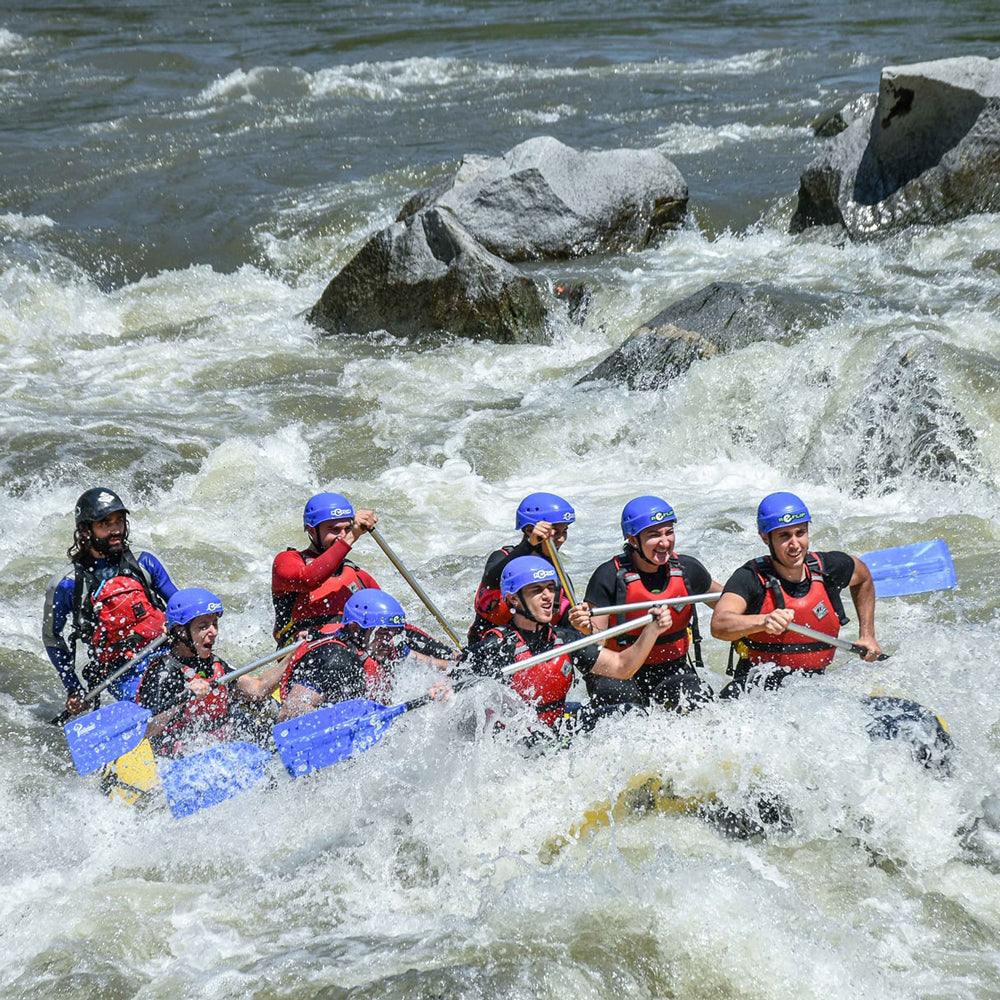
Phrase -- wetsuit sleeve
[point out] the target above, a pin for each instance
(57, 613)
(161, 687)
(839, 567)
(699, 579)
(601, 590)
(420, 642)
(158, 576)
(291, 574)
(487, 658)
(497, 560)
(746, 584)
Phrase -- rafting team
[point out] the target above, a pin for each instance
(347, 637)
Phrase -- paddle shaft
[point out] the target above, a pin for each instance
(64, 717)
(553, 554)
(572, 647)
(670, 602)
(830, 640)
(262, 662)
(416, 588)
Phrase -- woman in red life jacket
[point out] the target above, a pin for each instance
(180, 686)
(539, 517)
(791, 584)
(648, 568)
(529, 586)
(358, 658)
(310, 587)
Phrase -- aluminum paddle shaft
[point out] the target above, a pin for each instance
(417, 589)
(670, 602)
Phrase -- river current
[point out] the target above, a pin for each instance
(177, 185)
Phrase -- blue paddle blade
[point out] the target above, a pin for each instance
(212, 776)
(911, 569)
(329, 735)
(97, 738)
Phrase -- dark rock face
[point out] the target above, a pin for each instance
(929, 153)
(545, 200)
(902, 424)
(427, 275)
(716, 319)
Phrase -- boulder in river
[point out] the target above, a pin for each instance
(901, 425)
(718, 318)
(546, 200)
(929, 153)
(428, 275)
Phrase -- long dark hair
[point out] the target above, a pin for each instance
(79, 551)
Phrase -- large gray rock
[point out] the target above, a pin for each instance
(902, 425)
(545, 200)
(716, 319)
(832, 123)
(426, 275)
(928, 154)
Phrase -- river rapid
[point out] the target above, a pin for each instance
(177, 185)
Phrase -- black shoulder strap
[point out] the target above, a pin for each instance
(693, 621)
(815, 565)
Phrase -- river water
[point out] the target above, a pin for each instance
(177, 184)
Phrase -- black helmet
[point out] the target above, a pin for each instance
(97, 504)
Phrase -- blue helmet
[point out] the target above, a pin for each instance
(373, 608)
(326, 507)
(537, 507)
(644, 512)
(521, 571)
(188, 604)
(780, 510)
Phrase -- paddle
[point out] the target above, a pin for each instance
(911, 569)
(670, 602)
(417, 589)
(553, 554)
(63, 717)
(329, 735)
(851, 647)
(212, 776)
(99, 737)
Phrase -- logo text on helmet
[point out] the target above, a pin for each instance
(213, 607)
(788, 518)
(542, 574)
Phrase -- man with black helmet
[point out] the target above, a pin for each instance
(103, 574)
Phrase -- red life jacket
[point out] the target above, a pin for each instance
(819, 609)
(323, 605)
(126, 619)
(378, 677)
(630, 589)
(545, 685)
(492, 608)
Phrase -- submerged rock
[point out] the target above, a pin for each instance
(901, 424)
(545, 200)
(716, 319)
(928, 153)
(428, 275)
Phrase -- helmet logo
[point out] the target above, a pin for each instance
(658, 516)
(396, 620)
(788, 518)
(339, 512)
(542, 574)
(568, 516)
(213, 608)
(105, 497)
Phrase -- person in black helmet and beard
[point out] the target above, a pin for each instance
(103, 574)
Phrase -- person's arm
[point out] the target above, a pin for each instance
(624, 663)
(731, 622)
(158, 576)
(291, 574)
(56, 614)
(863, 595)
(258, 688)
(300, 699)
